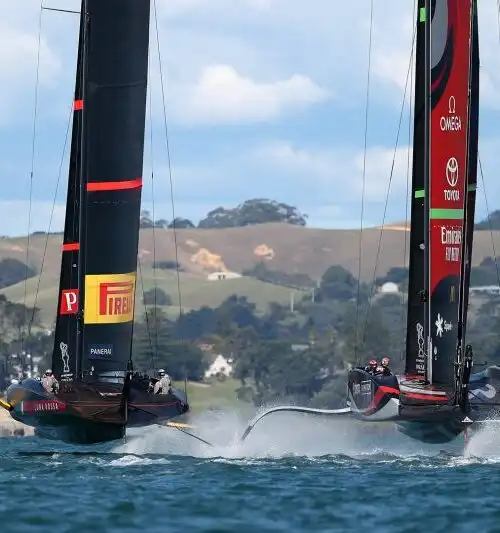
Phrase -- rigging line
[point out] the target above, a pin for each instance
(51, 217)
(153, 210)
(408, 181)
(391, 175)
(139, 264)
(33, 145)
(498, 19)
(61, 10)
(482, 176)
(165, 120)
(489, 219)
(360, 250)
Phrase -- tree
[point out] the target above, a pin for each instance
(337, 283)
(13, 271)
(181, 223)
(161, 223)
(167, 265)
(256, 211)
(156, 296)
(146, 220)
(398, 275)
(261, 272)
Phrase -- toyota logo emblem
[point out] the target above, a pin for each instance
(452, 171)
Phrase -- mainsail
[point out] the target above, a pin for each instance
(445, 132)
(93, 337)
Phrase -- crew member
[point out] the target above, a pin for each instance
(371, 367)
(384, 369)
(162, 386)
(50, 383)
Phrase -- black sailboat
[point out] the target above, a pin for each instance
(100, 394)
(437, 397)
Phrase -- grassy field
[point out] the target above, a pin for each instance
(290, 249)
(219, 395)
(195, 292)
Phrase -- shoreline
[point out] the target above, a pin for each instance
(12, 428)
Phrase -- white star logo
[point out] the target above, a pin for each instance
(439, 326)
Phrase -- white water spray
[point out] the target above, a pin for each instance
(485, 443)
(278, 435)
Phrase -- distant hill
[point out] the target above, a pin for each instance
(288, 248)
(491, 222)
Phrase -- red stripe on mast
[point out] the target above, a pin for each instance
(114, 185)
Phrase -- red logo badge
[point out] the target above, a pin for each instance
(69, 302)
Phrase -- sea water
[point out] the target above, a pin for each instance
(292, 474)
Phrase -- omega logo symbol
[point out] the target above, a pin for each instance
(451, 105)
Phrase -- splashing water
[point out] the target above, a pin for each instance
(280, 434)
(484, 443)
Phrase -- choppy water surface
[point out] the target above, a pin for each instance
(292, 474)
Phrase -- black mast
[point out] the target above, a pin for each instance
(416, 347)
(427, 186)
(464, 355)
(82, 197)
(65, 354)
(472, 151)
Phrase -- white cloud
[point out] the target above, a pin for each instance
(18, 60)
(246, 61)
(340, 170)
(14, 219)
(392, 44)
(222, 95)
(174, 8)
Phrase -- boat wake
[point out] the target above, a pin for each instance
(283, 434)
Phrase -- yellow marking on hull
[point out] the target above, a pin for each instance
(6, 405)
(179, 425)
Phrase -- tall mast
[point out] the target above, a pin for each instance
(81, 203)
(471, 173)
(415, 354)
(427, 186)
(66, 354)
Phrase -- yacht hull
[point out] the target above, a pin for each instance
(91, 413)
(420, 411)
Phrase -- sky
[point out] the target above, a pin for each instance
(265, 99)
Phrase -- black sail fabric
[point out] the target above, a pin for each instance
(113, 72)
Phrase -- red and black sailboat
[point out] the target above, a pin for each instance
(437, 397)
(100, 394)
(438, 364)
(432, 394)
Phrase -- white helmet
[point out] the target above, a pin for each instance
(161, 372)
(48, 372)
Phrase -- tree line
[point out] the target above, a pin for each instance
(250, 212)
(299, 354)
